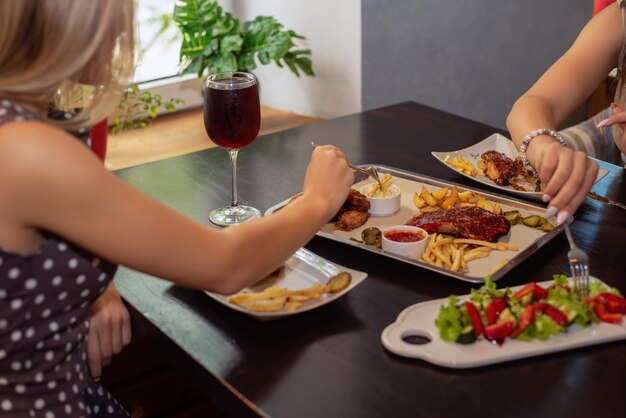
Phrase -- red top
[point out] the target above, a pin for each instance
(600, 4)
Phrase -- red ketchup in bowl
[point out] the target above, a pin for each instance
(405, 236)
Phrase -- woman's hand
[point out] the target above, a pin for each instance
(328, 177)
(568, 175)
(109, 330)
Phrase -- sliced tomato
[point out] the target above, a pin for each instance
(604, 316)
(527, 318)
(474, 315)
(538, 292)
(498, 332)
(494, 309)
(556, 314)
(612, 303)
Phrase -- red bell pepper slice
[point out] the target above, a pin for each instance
(474, 315)
(557, 316)
(494, 309)
(498, 332)
(527, 318)
(537, 291)
(604, 316)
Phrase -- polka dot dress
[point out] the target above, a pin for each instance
(44, 301)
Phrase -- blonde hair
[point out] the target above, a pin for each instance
(51, 49)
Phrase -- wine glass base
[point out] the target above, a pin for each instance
(232, 215)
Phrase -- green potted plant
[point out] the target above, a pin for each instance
(214, 40)
(138, 108)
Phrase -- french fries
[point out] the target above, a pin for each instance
(461, 164)
(454, 253)
(275, 298)
(385, 181)
(446, 198)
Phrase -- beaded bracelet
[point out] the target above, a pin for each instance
(529, 137)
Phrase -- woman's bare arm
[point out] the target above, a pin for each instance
(49, 181)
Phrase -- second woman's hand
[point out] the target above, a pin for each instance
(568, 174)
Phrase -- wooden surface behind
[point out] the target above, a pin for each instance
(181, 133)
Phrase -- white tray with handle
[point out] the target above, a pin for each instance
(419, 321)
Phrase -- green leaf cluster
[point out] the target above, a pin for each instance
(214, 40)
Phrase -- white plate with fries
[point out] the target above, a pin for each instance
(459, 258)
(465, 161)
(298, 286)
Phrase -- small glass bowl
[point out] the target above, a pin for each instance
(383, 206)
(394, 240)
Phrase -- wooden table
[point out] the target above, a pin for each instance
(329, 362)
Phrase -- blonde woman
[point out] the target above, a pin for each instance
(567, 171)
(65, 222)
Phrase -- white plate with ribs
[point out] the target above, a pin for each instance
(496, 265)
(500, 144)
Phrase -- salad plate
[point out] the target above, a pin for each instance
(302, 270)
(418, 321)
(500, 143)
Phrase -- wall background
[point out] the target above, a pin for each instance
(333, 32)
(471, 58)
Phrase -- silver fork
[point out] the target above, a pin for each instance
(370, 171)
(579, 266)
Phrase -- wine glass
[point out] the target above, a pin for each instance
(232, 118)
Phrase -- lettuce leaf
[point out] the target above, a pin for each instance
(450, 320)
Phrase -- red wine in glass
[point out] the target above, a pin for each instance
(232, 118)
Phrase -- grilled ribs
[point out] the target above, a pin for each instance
(466, 222)
(503, 171)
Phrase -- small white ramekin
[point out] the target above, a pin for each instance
(383, 206)
(412, 249)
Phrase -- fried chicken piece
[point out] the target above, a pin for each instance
(351, 219)
(357, 201)
(353, 213)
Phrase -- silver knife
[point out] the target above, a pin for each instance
(603, 199)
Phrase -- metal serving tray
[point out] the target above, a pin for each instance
(527, 239)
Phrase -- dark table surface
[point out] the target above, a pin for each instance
(329, 362)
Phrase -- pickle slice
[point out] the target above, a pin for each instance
(339, 282)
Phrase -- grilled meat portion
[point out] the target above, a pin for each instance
(466, 222)
(503, 171)
(353, 213)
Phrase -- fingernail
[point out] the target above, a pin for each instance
(602, 123)
(613, 105)
(546, 198)
(563, 216)
(551, 212)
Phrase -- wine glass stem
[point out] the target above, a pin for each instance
(233, 165)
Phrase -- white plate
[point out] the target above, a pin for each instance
(498, 143)
(304, 269)
(419, 320)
